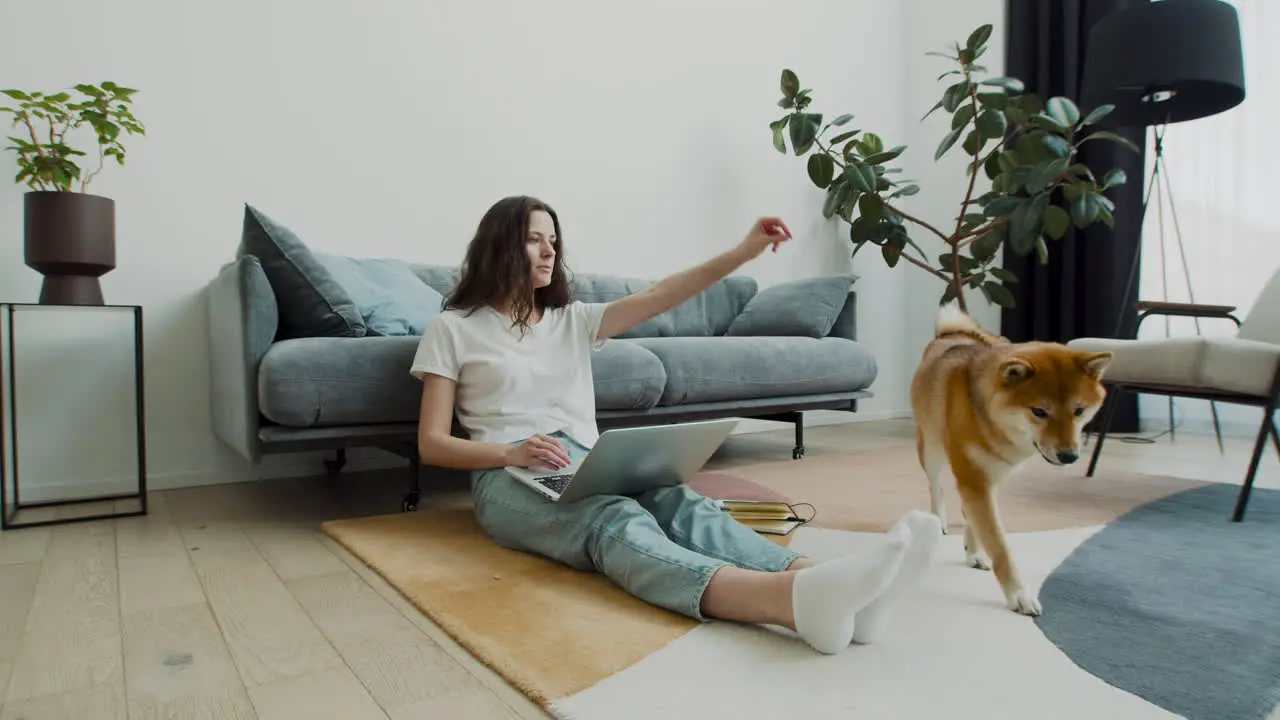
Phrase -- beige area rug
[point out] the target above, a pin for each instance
(549, 630)
(557, 634)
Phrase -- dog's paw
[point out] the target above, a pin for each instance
(977, 560)
(1022, 602)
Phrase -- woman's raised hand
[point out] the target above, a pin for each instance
(767, 232)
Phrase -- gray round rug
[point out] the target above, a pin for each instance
(1178, 605)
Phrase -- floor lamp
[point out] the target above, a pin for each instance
(1160, 63)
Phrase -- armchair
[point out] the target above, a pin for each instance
(1243, 370)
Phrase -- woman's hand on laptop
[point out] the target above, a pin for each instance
(539, 450)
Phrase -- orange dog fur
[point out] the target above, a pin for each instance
(985, 406)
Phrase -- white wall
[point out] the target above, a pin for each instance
(933, 25)
(386, 128)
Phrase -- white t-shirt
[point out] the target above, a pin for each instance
(510, 387)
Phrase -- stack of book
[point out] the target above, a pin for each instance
(769, 518)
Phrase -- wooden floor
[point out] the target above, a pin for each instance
(227, 602)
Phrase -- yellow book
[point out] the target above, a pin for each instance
(771, 518)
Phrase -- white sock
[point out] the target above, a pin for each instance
(926, 533)
(825, 598)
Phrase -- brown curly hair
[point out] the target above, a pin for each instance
(496, 270)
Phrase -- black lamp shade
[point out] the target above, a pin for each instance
(1165, 62)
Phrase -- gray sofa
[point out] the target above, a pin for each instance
(285, 381)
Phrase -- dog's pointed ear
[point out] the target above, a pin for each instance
(1094, 364)
(1014, 370)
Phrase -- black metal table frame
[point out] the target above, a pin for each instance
(9, 422)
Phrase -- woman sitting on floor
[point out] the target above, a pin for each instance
(510, 353)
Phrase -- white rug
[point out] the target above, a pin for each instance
(955, 651)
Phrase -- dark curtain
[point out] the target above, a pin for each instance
(1080, 292)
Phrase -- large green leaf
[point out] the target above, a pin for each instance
(999, 294)
(871, 208)
(841, 120)
(1003, 205)
(1005, 276)
(1042, 251)
(947, 141)
(862, 177)
(1056, 145)
(884, 157)
(790, 84)
(1097, 114)
(1114, 177)
(837, 193)
(1107, 135)
(987, 245)
(842, 137)
(992, 165)
(1084, 211)
(1025, 223)
(804, 130)
(1008, 83)
(1056, 221)
(993, 100)
(870, 144)
(1063, 111)
(821, 169)
(1046, 175)
(779, 142)
(992, 124)
(978, 37)
(954, 95)
(963, 115)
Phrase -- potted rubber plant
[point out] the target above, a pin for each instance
(1027, 148)
(68, 233)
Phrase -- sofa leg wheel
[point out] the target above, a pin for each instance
(410, 502)
(797, 453)
(333, 467)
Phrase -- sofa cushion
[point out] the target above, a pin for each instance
(739, 368)
(707, 314)
(314, 382)
(443, 278)
(626, 376)
(317, 382)
(800, 308)
(389, 296)
(312, 303)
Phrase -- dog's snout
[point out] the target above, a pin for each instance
(1067, 457)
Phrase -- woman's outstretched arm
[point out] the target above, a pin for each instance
(621, 315)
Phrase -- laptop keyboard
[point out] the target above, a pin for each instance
(556, 483)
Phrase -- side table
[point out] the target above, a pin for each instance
(11, 507)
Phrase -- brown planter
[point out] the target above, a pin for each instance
(70, 238)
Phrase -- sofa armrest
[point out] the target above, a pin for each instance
(242, 319)
(846, 325)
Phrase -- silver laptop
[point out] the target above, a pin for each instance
(629, 461)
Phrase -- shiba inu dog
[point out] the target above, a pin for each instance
(984, 406)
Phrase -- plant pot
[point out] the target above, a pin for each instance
(70, 238)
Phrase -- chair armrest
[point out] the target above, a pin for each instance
(1178, 309)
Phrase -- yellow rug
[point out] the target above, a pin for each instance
(553, 632)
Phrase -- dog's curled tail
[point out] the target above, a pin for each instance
(952, 320)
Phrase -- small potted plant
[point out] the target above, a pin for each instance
(69, 236)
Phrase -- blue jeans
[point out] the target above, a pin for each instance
(661, 546)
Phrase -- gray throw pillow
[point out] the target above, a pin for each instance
(390, 297)
(312, 302)
(798, 308)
